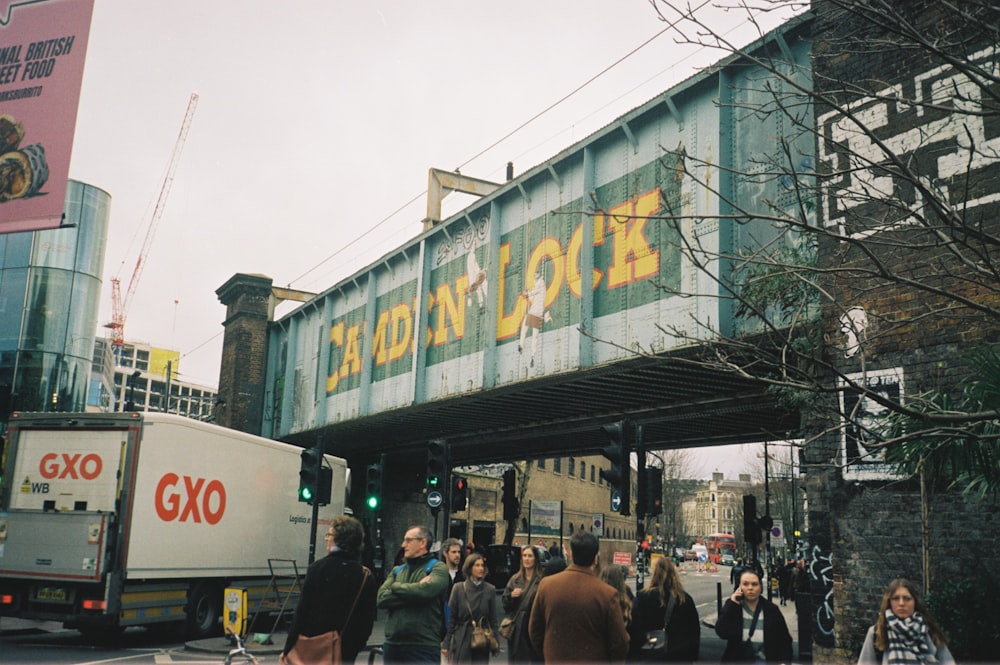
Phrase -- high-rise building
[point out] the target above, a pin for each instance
(50, 289)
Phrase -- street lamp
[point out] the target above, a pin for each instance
(130, 402)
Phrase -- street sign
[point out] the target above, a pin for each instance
(616, 501)
(435, 499)
(777, 534)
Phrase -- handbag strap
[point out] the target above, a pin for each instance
(522, 606)
(472, 617)
(669, 610)
(364, 578)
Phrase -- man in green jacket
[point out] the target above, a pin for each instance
(414, 593)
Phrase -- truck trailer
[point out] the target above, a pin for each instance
(125, 519)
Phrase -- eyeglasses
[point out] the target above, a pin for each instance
(328, 534)
(408, 539)
(902, 599)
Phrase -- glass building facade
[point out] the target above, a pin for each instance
(50, 289)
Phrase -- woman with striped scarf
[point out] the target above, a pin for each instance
(905, 632)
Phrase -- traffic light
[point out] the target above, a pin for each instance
(751, 532)
(459, 494)
(652, 499)
(309, 475)
(618, 452)
(511, 509)
(373, 486)
(437, 464)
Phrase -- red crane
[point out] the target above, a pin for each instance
(120, 305)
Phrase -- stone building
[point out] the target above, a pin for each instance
(717, 506)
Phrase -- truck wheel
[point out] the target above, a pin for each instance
(204, 609)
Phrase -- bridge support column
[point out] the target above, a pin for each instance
(244, 351)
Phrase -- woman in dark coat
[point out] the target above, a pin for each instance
(332, 584)
(664, 591)
(518, 596)
(471, 600)
(753, 627)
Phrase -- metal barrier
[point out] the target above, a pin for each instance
(375, 651)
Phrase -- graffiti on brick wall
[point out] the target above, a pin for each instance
(821, 576)
(914, 119)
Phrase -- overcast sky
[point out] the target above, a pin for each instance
(317, 122)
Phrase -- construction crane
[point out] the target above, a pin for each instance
(120, 305)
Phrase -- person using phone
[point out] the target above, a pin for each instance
(753, 627)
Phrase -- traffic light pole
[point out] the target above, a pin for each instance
(315, 503)
(640, 509)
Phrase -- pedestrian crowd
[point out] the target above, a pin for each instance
(442, 610)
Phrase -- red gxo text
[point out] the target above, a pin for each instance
(198, 498)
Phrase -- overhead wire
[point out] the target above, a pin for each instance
(499, 141)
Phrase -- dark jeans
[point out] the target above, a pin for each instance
(410, 653)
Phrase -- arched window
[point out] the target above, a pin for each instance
(572, 467)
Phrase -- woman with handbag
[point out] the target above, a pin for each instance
(472, 630)
(753, 627)
(518, 596)
(336, 609)
(664, 624)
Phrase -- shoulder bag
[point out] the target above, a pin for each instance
(508, 623)
(325, 648)
(656, 640)
(483, 638)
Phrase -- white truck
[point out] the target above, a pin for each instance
(114, 520)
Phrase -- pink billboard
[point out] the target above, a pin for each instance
(43, 45)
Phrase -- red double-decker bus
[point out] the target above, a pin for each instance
(718, 544)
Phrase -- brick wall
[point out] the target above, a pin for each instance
(244, 351)
(866, 531)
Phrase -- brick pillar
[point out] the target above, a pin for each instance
(244, 351)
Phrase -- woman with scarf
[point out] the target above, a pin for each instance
(905, 631)
(473, 600)
(518, 596)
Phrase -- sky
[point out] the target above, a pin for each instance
(316, 124)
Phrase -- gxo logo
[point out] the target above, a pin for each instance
(208, 496)
(75, 466)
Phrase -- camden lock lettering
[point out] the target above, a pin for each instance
(630, 258)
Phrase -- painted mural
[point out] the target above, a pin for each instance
(581, 261)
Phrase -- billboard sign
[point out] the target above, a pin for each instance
(865, 424)
(43, 45)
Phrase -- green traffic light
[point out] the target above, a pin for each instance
(372, 502)
(305, 494)
(433, 481)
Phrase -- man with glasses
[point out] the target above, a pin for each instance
(414, 593)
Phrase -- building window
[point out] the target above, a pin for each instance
(540, 463)
(572, 466)
(557, 465)
(592, 472)
(583, 470)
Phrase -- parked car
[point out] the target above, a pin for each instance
(502, 561)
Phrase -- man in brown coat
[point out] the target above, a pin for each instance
(576, 616)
